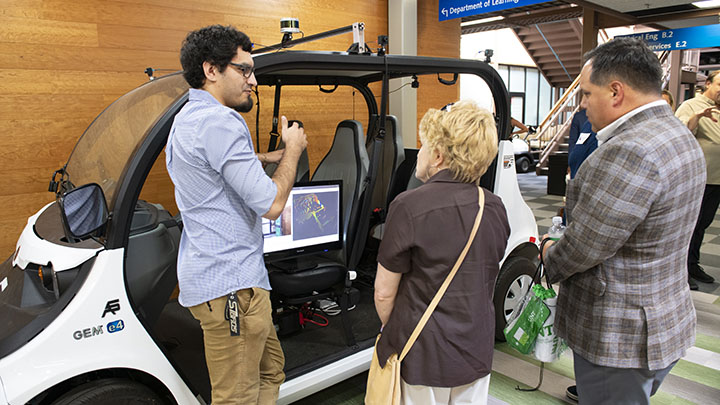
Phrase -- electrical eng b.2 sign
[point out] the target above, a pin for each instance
(704, 36)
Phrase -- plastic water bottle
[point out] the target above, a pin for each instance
(557, 229)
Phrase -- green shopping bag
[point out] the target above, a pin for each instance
(527, 321)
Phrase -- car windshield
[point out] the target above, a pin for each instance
(103, 151)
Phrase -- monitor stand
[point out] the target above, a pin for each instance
(295, 265)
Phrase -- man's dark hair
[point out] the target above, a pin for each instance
(215, 44)
(628, 60)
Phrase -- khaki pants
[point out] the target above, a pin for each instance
(244, 369)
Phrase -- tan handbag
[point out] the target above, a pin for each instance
(383, 385)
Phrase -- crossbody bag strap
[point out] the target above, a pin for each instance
(436, 300)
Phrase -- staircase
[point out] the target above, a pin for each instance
(553, 132)
(556, 49)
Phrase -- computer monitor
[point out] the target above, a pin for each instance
(311, 222)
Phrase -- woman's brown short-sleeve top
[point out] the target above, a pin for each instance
(426, 230)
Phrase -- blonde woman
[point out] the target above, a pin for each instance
(426, 229)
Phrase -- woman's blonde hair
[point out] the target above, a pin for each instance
(466, 137)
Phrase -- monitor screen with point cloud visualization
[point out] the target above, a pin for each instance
(311, 222)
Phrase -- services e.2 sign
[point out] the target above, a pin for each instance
(450, 9)
(704, 36)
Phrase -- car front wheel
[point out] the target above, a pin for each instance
(514, 281)
(111, 391)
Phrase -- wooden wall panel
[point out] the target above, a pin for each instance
(48, 32)
(63, 61)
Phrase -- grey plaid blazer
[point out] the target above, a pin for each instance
(624, 300)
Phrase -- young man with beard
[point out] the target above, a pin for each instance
(700, 114)
(222, 192)
(624, 305)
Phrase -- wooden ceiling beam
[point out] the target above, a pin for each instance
(683, 15)
(562, 53)
(562, 13)
(570, 44)
(629, 20)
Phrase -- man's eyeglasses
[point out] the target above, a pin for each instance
(245, 70)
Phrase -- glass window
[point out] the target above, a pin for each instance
(503, 71)
(516, 108)
(531, 97)
(104, 150)
(517, 79)
(545, 99)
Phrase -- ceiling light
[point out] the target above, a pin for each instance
(484, 20)
(707, 4)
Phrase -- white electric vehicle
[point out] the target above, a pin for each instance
(88, 302)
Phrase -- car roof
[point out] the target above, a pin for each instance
(313, 67)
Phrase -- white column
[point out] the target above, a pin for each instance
(402, 40)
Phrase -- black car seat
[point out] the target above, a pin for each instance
(303, 167)
(404, 178)
(347, 161)
(393, 154)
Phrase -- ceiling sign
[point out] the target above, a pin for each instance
(450, 9)
(704, 36)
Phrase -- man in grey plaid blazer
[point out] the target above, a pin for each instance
(624, 305)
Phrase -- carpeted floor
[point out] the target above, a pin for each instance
(694, 380)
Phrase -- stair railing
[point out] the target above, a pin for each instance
(557, 122)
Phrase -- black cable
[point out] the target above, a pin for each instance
(542, 368)
(393, 91)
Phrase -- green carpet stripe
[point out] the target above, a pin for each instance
(707, 342)
(502, 387)
(717, 301)
(698, 373)
(663, 398)
(563, 366)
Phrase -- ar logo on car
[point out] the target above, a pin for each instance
(111, 306)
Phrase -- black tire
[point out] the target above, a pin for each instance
(514, 280)
(111, 391)
(522, 164)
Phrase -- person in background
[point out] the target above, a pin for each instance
(668, 97)
(578, 120)
(426, 230)
(700, 114)
(585, 144)
(624, 307)
(518, 127)
(222, 193)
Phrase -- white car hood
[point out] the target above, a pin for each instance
(32, 249)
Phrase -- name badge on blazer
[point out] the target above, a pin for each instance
(582, 138)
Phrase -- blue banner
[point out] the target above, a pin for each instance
(704, 36)
(451, 9)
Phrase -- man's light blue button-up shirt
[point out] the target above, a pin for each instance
(222, 192)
